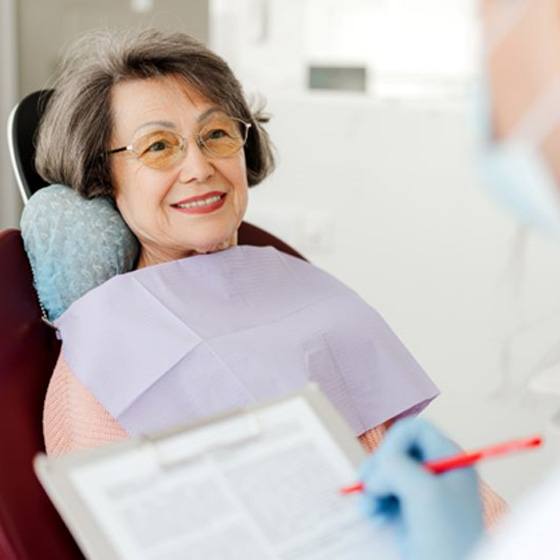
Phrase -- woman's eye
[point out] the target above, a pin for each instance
(158, 146)
(216, 134)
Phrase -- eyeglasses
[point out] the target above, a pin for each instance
(219, 136)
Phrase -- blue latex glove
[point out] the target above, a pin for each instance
(435, 517)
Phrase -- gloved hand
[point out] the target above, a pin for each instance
(435, 517)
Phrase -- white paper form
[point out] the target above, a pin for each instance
(262, 485)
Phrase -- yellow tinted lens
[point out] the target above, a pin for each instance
(222, 136)
(158, 149)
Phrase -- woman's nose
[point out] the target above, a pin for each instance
(196, 166)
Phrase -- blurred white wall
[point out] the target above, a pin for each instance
(409, 48)
(384, 195)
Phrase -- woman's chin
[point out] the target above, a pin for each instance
(151, 256)
(215, 246)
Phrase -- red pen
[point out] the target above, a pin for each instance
(466, 459)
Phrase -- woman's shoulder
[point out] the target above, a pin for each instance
(72, 416)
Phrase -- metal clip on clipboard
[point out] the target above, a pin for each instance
(172, 449)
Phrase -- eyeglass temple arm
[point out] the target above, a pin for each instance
(116, 150)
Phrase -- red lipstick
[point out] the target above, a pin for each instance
(201, 204)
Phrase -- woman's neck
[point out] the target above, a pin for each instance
(151, 256)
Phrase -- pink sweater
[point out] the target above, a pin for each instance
(74, 419)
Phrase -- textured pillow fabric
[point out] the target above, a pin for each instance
(74, 244)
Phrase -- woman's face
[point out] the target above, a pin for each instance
(194, 205)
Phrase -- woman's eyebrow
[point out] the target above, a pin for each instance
(150, 124)
(170, 124)
(208, 112)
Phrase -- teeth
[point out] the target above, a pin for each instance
(198, 203)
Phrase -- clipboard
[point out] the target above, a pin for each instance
(259, 483)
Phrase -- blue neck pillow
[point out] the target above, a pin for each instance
(74, 244)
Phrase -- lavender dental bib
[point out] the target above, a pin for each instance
(173, 343)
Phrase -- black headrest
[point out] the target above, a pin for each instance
(23, 127)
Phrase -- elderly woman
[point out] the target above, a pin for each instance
(158, 124)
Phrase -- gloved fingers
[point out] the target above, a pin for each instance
(396, 466)
(433, 516)
(377, 488)
(398, 442)
(379, 508)
(397, 489)
(390, 482)
(418, 439)
(394, 475)
(395, 472)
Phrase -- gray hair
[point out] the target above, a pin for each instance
(77, 124)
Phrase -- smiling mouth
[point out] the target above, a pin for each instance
(203, 204)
